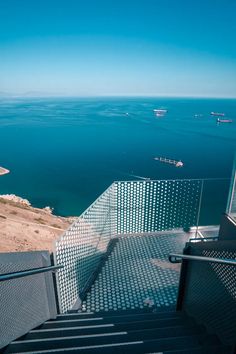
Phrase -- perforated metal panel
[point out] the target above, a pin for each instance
(81, 247)
(137, 269)
(210, 293)
(27, 302)
(148, 206)
(231, 208)
(125, 207)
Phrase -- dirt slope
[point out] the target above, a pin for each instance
(24, 228)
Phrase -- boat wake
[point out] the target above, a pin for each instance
(139, 177)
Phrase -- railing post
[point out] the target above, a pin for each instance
(182, 281)
(232, 188)
(199, 208)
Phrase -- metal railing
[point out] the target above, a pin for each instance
(177, 258)
(204, 239)
(157, 205)
(27, 293)
(231, 205)
(81, 247)
(207, 288)
(25, 273)
(126, 207)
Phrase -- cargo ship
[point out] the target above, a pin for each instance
(224, 120)
(170, 161)
(217, 114)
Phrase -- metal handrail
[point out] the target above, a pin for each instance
(176, 180)
(203, 238)
(200, 258)
(27, 272)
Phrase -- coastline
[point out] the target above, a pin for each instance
(14, 198)
(26, 228)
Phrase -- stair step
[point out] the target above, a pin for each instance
(124, 346)
(141, 315)
(73, 323)
(199, 350)
(113, 327)
(65, 342)
(176, 320)
(127, 311)
(90, 349)
(78, 311)
(137, 310)
(78, 314)
(66, 332)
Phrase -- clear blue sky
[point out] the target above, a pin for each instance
(118, 47)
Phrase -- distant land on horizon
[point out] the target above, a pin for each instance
(39, 94)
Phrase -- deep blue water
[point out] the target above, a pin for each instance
(65, 152)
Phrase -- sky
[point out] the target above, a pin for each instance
(118, 47)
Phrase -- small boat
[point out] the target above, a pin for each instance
(170, 161)
(224, 120)
(160, 112)
(3, 171)
(217, 114)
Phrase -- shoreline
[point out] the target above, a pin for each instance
(22, 201)
(14, 198)
(25, 228)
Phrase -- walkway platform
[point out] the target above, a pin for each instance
(137, 273)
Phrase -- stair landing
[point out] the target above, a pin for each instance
(137, 274)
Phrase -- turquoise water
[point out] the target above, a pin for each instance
(65, 152)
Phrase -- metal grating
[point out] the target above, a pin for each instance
(210, 295)
(138, 269)
(80, 248)
(25, 302)
(125, 207)
(150, 206)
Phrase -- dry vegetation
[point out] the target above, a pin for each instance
(24, 228)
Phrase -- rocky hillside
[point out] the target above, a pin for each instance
(24, 228)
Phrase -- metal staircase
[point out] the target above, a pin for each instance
(205, 305)
(115, 290)
(130, 331)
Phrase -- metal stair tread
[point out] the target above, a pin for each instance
(198, 350)
(165, 341)
(75, 319)
(26, 341)
(77, 348)
(64, 343)
(105, 315)
(164, 332)
(69, 328)
(120, 320)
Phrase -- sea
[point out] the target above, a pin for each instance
(64, 152)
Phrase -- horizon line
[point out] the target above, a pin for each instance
(45, 95)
